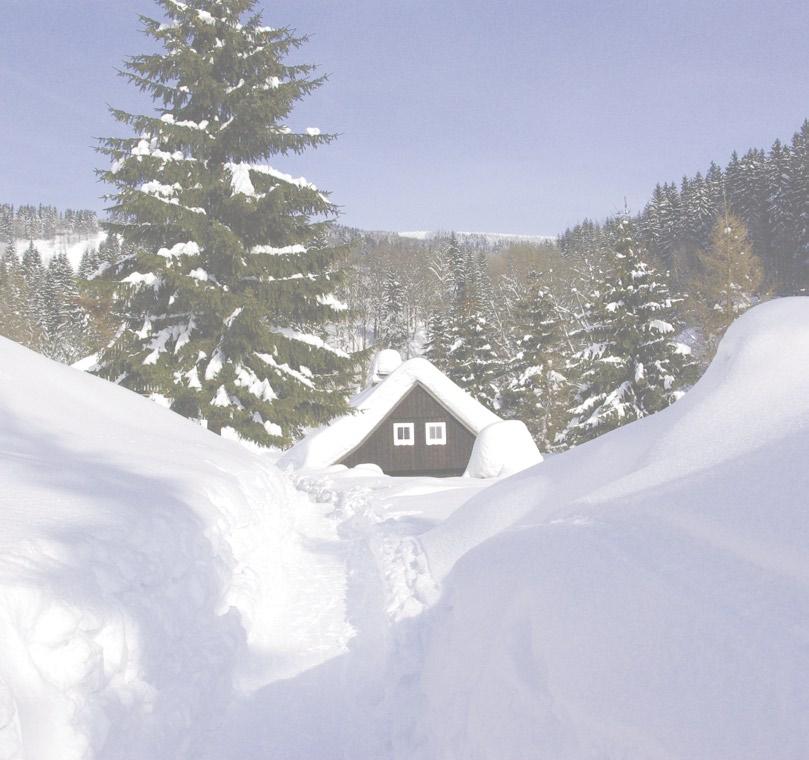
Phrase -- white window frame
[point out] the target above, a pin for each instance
(409, 426)
(442, 441)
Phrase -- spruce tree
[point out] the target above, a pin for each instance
(538, 390)
(442, 285)
(6, 224)
(13, 306)
(67, 321)
(229, 284)
(393, 328)
(36, 299)
(631, 364)
(439, 339)
(88, 265)
(472, 360)
(779, 215)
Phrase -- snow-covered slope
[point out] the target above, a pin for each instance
(166, 594)
(645, 596)
(150, 572)
(72, 245)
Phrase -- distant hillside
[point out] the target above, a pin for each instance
(490, 242)
(69, 231)
(492, 238)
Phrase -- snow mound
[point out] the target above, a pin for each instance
(330, 444)
(150, 572)
(643, 596)
(503, 449)
(385, 363)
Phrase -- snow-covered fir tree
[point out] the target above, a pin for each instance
(229, 289)
(89, 263)
(538, 392)
(631, 364)
(394, 331)
(68, 324)
(472, 360)
(13, 303)
(36, 298)
(442, 285)
(439, 339)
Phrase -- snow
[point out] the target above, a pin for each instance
(246, 378)
(149, 148)
(329, 444)
(285, 250)
(161, 191)
(139, 278)
(308, 338)
(332, 301)
(168, 118)
(152, 574)
(241, 182)
(215, 365)
(659, 326)
(644, 595)
(386, 361)
(503, 449)
(300, 376)
(166, 594)
(180, 249)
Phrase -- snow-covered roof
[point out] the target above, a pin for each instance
(330, 444)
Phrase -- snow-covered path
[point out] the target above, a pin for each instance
(362, 535)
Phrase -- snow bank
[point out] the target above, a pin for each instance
(643, 596)
(503, 449)
(150, 572)
(387, 361)
(329, 444)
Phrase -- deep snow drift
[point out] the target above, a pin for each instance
(166, 594)
(150, 572)
(644, 596)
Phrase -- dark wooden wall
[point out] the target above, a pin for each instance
(418, 407)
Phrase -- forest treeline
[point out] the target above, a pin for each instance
(610, 322)
(41, 222)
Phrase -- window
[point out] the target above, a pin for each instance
(403, 434)
(435, 433)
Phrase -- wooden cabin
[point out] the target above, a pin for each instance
(411, 420)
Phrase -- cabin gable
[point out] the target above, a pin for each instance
(419, 436)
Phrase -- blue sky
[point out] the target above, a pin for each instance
(519, 116)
